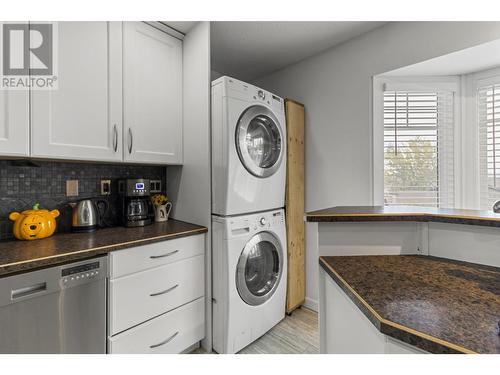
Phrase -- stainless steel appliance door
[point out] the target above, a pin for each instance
(44, 312)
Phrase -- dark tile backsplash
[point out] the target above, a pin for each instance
(22, 184)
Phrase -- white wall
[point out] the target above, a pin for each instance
(335, 87)
(189, 186)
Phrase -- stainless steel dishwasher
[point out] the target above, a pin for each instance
(55, 310)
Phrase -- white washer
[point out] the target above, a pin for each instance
(249, 277)
(248, 148)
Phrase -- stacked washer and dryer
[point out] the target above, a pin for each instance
(248, 223)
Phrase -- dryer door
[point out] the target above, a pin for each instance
(259, 268)
(259, 141)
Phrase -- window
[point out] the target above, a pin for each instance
(418, 148)
(488, 117)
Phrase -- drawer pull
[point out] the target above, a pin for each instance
(164, 342)
(164, 291)
(164, 255)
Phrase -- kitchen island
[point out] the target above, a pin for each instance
(415, 279)
(434, 304)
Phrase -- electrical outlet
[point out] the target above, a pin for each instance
(105, 187)
(71, 188)
(155, 186)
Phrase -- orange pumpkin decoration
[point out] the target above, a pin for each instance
(34, 224)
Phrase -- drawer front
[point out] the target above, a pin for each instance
(170, 333)
(140, 258)
(141, 296)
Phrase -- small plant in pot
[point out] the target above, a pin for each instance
(162, 207)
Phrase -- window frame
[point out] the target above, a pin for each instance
(435, 83)
(472, 82)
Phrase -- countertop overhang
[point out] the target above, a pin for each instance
(18, 256)
(404, 213)
(438, 305)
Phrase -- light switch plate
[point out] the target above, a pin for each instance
(71, 188)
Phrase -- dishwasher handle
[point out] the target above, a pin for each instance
(28, 290)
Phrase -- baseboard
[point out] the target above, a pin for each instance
(311, 304)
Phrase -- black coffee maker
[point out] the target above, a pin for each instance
(135, 202)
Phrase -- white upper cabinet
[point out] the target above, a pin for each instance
(14, 123)
(82, 119)
(152, 95)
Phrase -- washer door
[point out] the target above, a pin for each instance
(259, 268)
(259, 141)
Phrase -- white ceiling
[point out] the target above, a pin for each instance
(250, 50)
(474, 59)
(181, 26)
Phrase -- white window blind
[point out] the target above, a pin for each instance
(488, 112)
(418, 148)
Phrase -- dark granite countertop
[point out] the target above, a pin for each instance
(404, 213)
(436, 304)
(17, 256)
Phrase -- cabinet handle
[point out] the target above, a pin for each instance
(164, 291)
(164, 255)
(115, 138)
(130, 140)
(164, 342)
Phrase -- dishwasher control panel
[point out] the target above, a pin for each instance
(81, 273)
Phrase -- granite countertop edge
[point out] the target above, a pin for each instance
(403, 213)
(405, 334)
(9, 268)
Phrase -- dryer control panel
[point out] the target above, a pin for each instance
(253, 223)
(246, 91)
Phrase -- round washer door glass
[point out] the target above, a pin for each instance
(259, 141)
(259, 268)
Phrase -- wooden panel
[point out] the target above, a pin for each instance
(294, 204)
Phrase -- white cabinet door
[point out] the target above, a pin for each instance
(152, 89)
(14, 120)
(14, 123)
(82, 119)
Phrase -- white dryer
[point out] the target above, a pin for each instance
(248, 148)
(249, 277)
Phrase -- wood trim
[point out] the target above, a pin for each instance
(344, 284)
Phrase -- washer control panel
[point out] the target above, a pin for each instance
(255, 223)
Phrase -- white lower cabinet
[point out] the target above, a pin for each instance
(144, 295)
(172, 332)
(156, 297)
(344, 329)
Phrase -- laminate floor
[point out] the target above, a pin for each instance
(296, 334)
